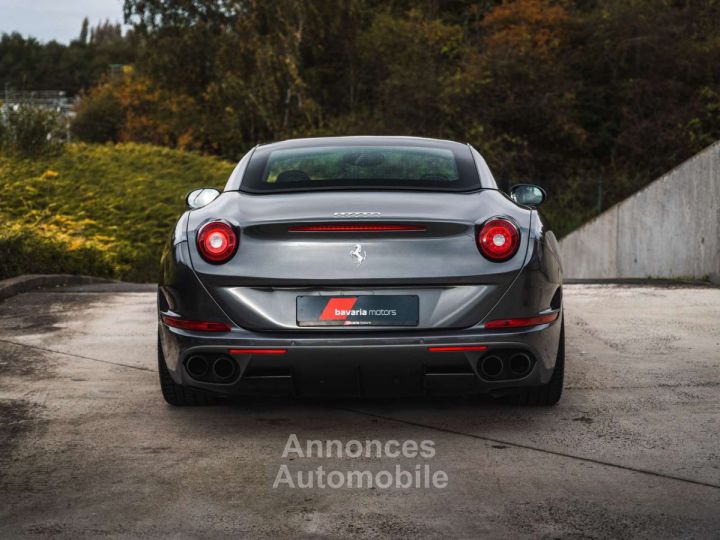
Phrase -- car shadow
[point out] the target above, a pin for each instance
(383, 417)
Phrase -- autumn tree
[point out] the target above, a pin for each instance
(589, 99)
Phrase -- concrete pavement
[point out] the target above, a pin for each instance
(88, 448)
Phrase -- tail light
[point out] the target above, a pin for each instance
(523, 323)
(202, 326)
(498, 239)
(217, 242)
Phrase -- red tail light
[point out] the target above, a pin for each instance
(217, 242)
(498, 239)
(202, 326)
(522, 323)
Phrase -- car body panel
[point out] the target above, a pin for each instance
(255, 293)
(363, 365)
(258, 286)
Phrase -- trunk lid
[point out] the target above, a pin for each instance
(289, 246)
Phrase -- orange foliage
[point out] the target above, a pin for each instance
(152, 115)
(149, 114)
(526, 25)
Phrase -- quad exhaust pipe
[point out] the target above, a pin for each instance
(197, 366)
(505, 365)
(491, 366)
(221, 369)
(520, 364)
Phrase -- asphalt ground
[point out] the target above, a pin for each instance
(88, 448)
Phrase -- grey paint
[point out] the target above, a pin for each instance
(445, 256)
(265, 308)
(260, 312)
(255, 291)
(670, 229)
(233, 183)
(486, 177)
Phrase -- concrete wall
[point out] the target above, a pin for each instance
(670, 229)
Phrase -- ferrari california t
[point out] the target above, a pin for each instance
(361, 266)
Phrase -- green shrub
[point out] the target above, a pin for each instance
(32, 131)
(103, 210)
(99, 117)
(26, 251)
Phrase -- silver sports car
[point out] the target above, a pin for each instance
(361, 266)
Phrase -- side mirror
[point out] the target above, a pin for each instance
(198, 198)
(527, 194)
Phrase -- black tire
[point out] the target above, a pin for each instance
(547, 394)
(177, 394)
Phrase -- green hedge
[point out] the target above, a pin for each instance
(26, 130)
(23, 251)
(103, 210)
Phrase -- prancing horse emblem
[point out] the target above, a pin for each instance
(358, 253)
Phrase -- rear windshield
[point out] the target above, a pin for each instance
(360, 167)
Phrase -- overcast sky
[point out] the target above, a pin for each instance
(55, 19)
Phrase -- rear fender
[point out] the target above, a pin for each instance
(538, 287)
(180, 291)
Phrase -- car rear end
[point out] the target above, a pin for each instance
(362, 286)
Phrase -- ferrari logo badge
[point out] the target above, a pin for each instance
(358, 253)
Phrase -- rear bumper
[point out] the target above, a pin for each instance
(369, 364)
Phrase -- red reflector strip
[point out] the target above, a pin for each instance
(355, 228)
(520, 323)
(257, 351)
(202, 326)
(458, 348)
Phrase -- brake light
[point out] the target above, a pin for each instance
(217, 242)
(498, 239)
(520, 323)
(458, 348)
(202, 326)
(356, 227)
(257, 351)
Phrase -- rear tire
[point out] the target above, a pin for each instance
(547, 394)
(177, 394)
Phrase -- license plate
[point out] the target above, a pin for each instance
(362, 310)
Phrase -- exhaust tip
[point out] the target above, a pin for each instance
(520, 364)
(491, 366)
(197, 366)
(224, 368)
